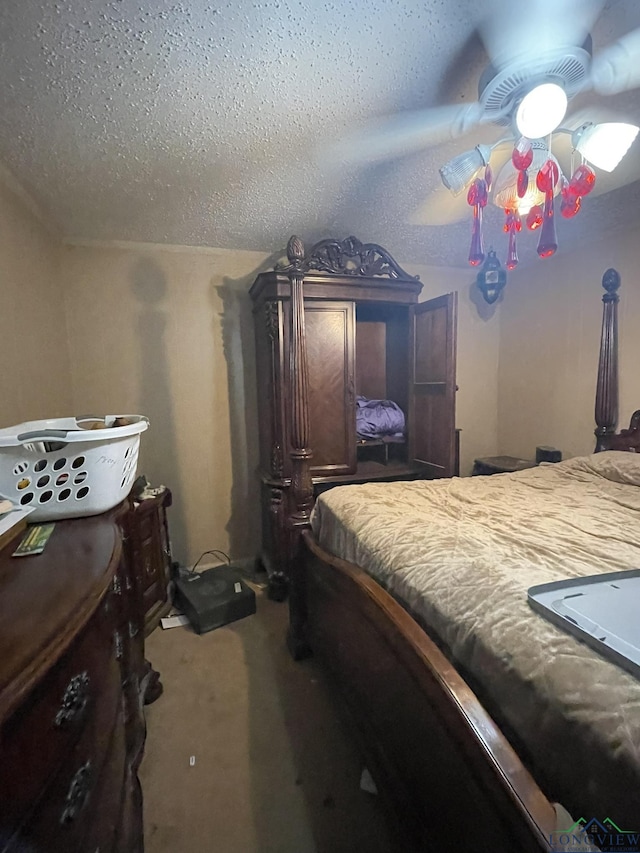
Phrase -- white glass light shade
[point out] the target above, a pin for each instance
(505, 193)
(604, 145)
(541, 110)
(457, 173)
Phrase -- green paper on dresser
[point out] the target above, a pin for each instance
(34, 540)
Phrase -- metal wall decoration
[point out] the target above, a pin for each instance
(492, 278)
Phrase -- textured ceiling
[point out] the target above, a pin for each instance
(200, 123)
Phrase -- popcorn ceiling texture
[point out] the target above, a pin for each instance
(200, 123)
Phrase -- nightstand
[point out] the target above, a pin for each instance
(500, 465)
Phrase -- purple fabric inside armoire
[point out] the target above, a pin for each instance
(378, 418)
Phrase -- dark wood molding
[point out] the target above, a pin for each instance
(300, 452)
(344, 257)
(278, 575)
(627, 439)
(272, 316)
(606, 410)
(418, 722)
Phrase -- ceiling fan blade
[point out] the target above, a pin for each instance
(440, 208)
(514, 33)
(617, 67)
(404, 133)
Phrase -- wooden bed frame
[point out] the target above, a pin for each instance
(453, 780)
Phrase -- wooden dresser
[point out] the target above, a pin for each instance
(73, 679)
(148, 549)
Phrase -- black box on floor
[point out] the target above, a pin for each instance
(548, 454)
(214, 598)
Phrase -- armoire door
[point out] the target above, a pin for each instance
(330, 345)
(432, 402)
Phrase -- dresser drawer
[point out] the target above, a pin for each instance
(148, 559)
(105, 809)
(147, 525)
(153, 594)
(38, 737)
(66, 808)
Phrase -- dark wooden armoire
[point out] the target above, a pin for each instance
(340, 322)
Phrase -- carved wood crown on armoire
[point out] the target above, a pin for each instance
(333, 326)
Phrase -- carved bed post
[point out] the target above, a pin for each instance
(300, 453)
(606, 412)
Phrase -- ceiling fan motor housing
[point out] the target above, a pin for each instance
(501, 91)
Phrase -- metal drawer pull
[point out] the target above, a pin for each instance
(77, 795)
(133, 630)
(74, 700)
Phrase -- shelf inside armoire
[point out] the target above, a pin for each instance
(371, 470)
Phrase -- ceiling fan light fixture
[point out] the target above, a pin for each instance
(505, 192)
(457, 173)
(604, 145)
(541, 110)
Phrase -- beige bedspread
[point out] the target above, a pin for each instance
(461, 553)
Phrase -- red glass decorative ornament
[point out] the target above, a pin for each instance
(571, 200)
(523, 183)
(570, 207)
(548, 176)
(567, 193)
(512, 253)
(512, 224)
(548, 242)
(517, 222)
(483, 192)
(477, 197)
(546, 180)
(583, 180)
(476, 250)
(522, 155)
(534, 218)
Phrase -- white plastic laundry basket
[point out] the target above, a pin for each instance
(66, 470)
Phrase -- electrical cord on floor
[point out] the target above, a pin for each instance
(215, 553)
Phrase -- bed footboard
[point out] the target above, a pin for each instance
(451, 776)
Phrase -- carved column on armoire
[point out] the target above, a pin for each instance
(272, 319)
(278, 581)
(606, 412)
(300, 452)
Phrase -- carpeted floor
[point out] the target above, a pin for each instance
(273, 769)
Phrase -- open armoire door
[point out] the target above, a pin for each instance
(432, 401)
(333, 327)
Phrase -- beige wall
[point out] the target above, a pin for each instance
(169, 334)
(550, 337)
(34, 378)
(477, 360)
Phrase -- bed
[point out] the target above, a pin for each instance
(478, 717)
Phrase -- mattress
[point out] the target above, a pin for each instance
(460, 554)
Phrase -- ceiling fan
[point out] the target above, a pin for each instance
(541, 57)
